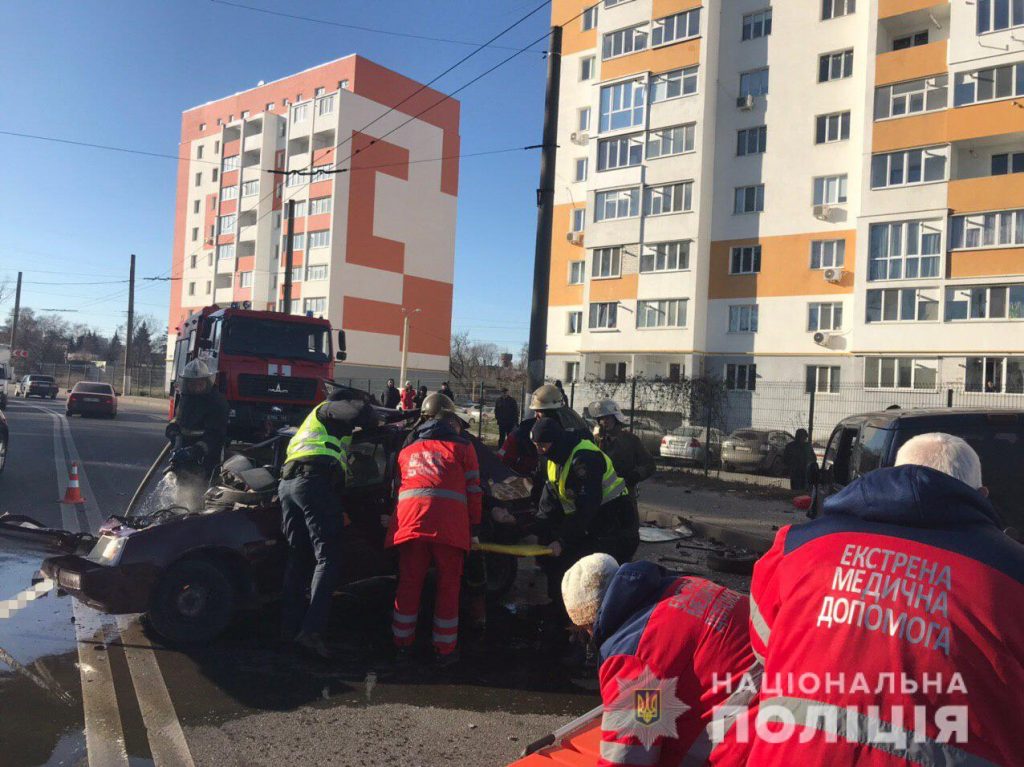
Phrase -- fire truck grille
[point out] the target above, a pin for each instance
(277, 387)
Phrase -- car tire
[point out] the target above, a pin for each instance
(738, 563)
(193, 602)
(501, 574)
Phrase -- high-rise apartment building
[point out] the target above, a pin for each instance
(809, 190)
(374, 222)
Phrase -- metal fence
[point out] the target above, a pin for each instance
(142, 381)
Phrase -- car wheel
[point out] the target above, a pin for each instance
(737, 563)
(3, 453)
(193, 602)
(501, 574)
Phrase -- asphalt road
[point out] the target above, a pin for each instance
(80, 688)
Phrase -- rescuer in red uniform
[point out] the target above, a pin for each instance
(439, 502)
(674, 651)
(892, 628)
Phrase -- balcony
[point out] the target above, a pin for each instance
(911, 63)
(986, 193)
(251, 158)
(253, 143)
(889, 8)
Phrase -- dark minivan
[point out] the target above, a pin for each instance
(862, 443)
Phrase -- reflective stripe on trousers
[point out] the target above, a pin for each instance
(861, 729)
(446, 631)
(403, 626)
(432, 492)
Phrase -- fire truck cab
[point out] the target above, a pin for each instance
(270, 366)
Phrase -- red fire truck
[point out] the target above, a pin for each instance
(270, 366)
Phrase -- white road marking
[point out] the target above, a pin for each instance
(20, 600)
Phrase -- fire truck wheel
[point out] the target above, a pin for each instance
(193, 602)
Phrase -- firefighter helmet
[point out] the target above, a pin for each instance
(198, 368)
(437, 405)
(547, 397)
(606, 407)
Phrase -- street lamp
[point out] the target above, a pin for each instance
(406, 314)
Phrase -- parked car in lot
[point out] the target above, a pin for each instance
(862, 443)
(37, 386)
(686, 444)
(649, 431)
(754, 450)
(92, 398)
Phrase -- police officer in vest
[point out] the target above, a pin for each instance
(315, 469)
(586, 504)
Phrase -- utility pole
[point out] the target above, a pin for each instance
(14, 320)
(127, 383)
(288, 254)
(405, 344)
(537, 350)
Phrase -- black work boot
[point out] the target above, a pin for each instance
(445, 660)
(313, 644)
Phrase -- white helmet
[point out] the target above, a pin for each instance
(606, 407)
(197, 369)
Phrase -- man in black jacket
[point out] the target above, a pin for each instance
(506, 413)
(391, 395)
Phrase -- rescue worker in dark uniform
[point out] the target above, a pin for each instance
(629, 456)
(199, 428)
(585, 503)
(315, 469)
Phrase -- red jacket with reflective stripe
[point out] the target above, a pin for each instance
(408, 399)
(904, 583)
(675, 636)
(439, 498)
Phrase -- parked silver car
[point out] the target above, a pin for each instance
(755, 450)
(686, 444)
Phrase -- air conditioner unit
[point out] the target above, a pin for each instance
(580, 138)
(822, 339)
(833, 275)
(823, 212)
(576, 238)
(745, 103)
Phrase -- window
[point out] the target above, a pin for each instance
(216, 147)
(300, 208)
(572, 371)
(823, 379)
(577, 272)
(270, 106)
(910, 41)
(229, 193)
(670, 198)
(833, 127)
(232, 163)
(900, 373)
(225, 252)
(586, 68)
(245, 114)
(991, 302)
(191, 288)
(298, 241)
(199, 178)
(1007, 162)
(202, 126)
(984, 230)
(314, 305)
(325, 105)
(675, 372)
(995, 375)
(579, 219)
(748, 199)
(195, 233)
(319, 91)
(607, 262)
(914, 166)
(602, 315)
(622, 106)
(904, 250)
(672, 84)
(245, 279)
(615, 372)
(994, 15)
(195, 205)
(583, 120)
(226, 224)
(754, 83)
(193, 260)
(665, 256)
(250, 188)
(320, 239)
(742, 377)
(745, 260)
(213, 174)
(209, 259)
(988, 84)
(297, 274)
(199, 152)
(616, 203)
(580, 174)
(903, 305)
(830, 190)
(623, 41)
(824, 316)
(832, 9)
(670, 141)
(343, 85)
(912, 97)
(300, 112)
(317, 272)
(835, 66)
(751, 141)
(679, 26)
(661, 313)
(826, 254)
(589, 18)
(321, 173)
(319, 205)
(209, 285)
(743, 318)
(757, 24)
(575, 324)
(620, 152)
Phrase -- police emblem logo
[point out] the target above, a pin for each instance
(648, 706)
(645, 708)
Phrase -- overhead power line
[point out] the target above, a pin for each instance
(409, 162)
(107, 147)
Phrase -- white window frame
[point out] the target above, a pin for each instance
(746, 78)
(245, 279)
(583, 119)
(830, 190)
(580, 171)
(674, 84)
(828, 254)
(320, 239)
(226, 224)
(905, 243)
(679, 139)
(835, 9)
(572, 372)
(986, 230)
(832, 128)
(661, 313)
(298, 241)
(1014, 162)
(325, 105)
(589, 19)
(904, 160)
(321, 173)
(224, 252)
(579, 220)
(625, 151)
(1004, 384)
(979, 303)
(987, 15)
(316, 272)
(754, 193)
(317, 305)
(756, 24)
(191, 288)
(824, 315)
(250, 188)
(743, 318)
(588, 68)
(300, 112)
(229, 193)
(756, 135)
(741, 376)
(320, 205)
(234, 162)
(837, 65)
(826, 378)
(676, 28)
(666, 199)
(574, 323)
(577, 272)
(970, 84)
(620, 203)
(606, 263)
(623, 42)
(929, 94)
(879, 381)
(671, 256)
(628, 99)
(603, 315)
(745, 259)
(902, 302)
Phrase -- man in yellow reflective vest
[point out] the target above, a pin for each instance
(316, 465)
(586, 504)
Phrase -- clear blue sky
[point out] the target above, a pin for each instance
(120, 73)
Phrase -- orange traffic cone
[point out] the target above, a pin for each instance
(73, 494)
